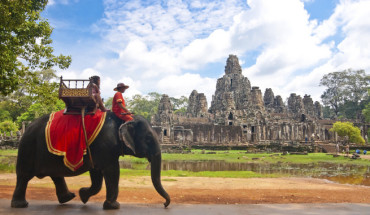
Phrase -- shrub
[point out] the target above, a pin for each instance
(348, 129)
(8, 126)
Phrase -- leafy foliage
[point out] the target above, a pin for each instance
(147, 105)
(179, 105)
(366, 113)
(328, 112)
(332, 96)
(8, 126)
(39, 89)
(108, 103)
(37, 110)
(346, 92)
(25, 43)
(347, 129)
(4, 115)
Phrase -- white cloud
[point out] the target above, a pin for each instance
(162, 40)
(158, 41)
(307, 83)
(350, 21)
(176, 28)
(108, 84)
(173, 23)
(208, 50)
(296, 53)
(183, 85)
(64, 2)
(354, 50)
(139, 60)
(156, 45)
(285, 36)
(85, 74)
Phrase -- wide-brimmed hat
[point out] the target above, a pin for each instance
(121, 85)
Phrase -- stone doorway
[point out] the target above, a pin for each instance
(231, 117)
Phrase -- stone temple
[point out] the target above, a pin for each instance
(240, 114)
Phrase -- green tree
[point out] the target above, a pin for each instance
(179, 105)
(356, 85)
(347, 129)
(15, 104)
(366, 113)
(328, 112)
(108, 103)
(4, 115)
(146, 105)
(25, 45)
(37, 110)
(37, 87)
(345, 92)
(333, 95)
(7, 127)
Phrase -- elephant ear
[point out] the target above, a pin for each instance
(126, 134)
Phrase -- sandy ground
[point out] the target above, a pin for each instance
(194, 190)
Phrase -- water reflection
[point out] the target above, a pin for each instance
(342, 173)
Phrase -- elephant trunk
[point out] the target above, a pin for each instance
(156, 178)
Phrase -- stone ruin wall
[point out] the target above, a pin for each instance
(240, 114)
(188, 119)
(208, 134)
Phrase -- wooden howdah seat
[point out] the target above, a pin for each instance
(79, 100)
(77, 95)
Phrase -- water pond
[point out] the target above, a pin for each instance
(341, 173)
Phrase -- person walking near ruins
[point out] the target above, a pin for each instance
(118, 103)
(347, 150)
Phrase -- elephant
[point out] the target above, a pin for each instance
(34, 159)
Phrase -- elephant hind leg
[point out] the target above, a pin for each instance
(19, 195)
(96, 184)
(63, 194)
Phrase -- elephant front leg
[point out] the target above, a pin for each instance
(63, 194)
(19, 195)
(96, 183)
(111, 177)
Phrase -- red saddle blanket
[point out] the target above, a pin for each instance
(64, 135)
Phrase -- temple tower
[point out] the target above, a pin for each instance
(268, 98)
(233, 85)
(197, 104)
(164, 115)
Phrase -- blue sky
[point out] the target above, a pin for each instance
(175, 46)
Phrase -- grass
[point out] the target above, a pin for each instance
(6, 168)
(7, 164)
(243, 157)
(139, 165)
(9, 152)
(214, 174)
(168, 179)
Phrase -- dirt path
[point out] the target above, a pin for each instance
(367, 157)
(189, 190)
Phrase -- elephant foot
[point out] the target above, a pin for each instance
(84, 195)
(110, 205)
(19, 204)
(65, 198)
